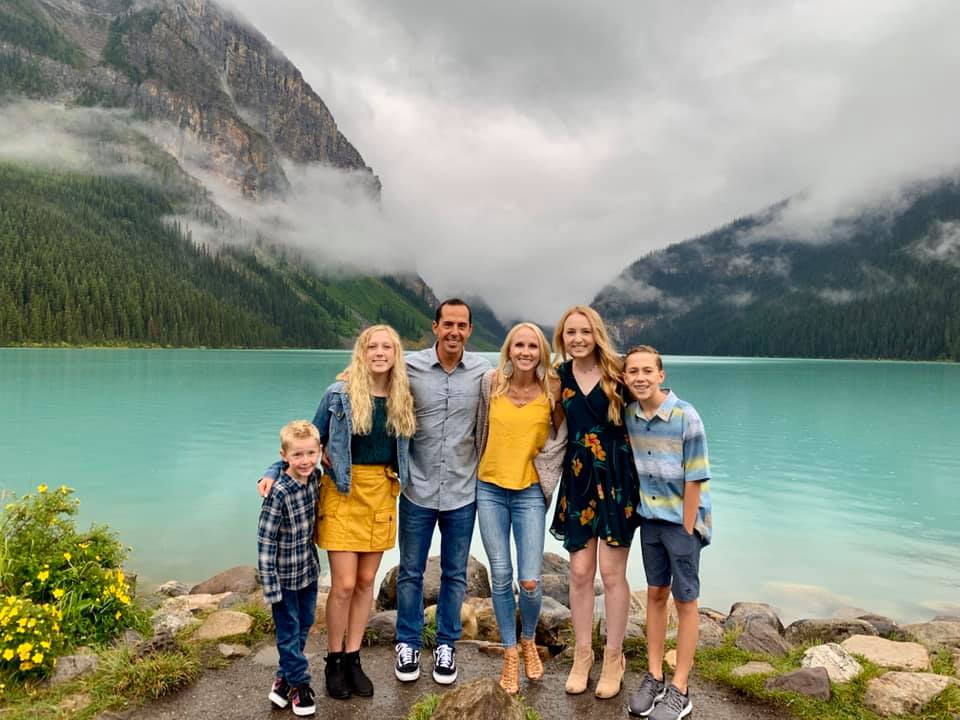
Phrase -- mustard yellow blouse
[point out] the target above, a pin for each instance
(515, 436)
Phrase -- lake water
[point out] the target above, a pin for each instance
(836, 483)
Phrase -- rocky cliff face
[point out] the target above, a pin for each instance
(195, 65)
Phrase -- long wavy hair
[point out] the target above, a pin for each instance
(401, 420)
(544, 377)
(608, 360)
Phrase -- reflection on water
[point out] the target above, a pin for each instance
(835, 483)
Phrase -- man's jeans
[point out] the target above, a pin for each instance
(525, 510)
(293, 616)
(416, 532)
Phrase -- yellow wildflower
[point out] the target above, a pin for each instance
(41, 488)
(67, 556)
(8, 654)
(26, 665)
(58, 593)
(117, 615)
(43, 575)
(37, 657)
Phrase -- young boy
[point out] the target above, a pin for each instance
(287, 559)
(670, 452)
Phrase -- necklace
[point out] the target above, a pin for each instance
(523, 396)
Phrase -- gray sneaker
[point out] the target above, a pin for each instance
(646, 696)
(675, 705)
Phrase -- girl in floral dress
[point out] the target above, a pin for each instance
(598, 495)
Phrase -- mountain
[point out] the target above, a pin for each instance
(132, 247)
(879, 285)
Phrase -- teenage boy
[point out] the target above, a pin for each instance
(442, 492)
(287, 560)
(670, 452)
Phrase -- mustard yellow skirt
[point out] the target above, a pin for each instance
(363, 520)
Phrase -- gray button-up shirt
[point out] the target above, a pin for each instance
(443, 452)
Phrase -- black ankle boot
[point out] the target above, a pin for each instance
(336, 677)
(357, 680)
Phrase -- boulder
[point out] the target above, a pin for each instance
(173, 588)
(478, 583)
(171, 619)
(753, 668)
(889, 653)
(829, 630)
(885, 627)
(267, 656)
(382, 627)
(233, 650)
(163, 640)
(555, 579)
(130, 639)
(240, 579)
(714, 615)
(711, 632)
(481, 699)
(936, 635)
(70, 667)
(223, 624)
(482, 611)
(760, 636)
(895, 694)
(231, 600)
(554, 627)
(812, 682)
(741, 612)
(839, 664)
(194, 603)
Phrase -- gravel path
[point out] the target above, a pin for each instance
(239, 691)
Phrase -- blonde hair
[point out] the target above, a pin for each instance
(401, 421)
(297, 430)
(544, 377)
(609, 362)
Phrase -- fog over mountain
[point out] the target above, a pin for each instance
(528, 153)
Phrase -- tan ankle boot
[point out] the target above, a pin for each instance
(611, 676)
(580, 672)
(532, 666)
(510, 675)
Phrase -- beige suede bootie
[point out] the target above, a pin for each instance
(580, 672)
(532, 665)
(611, 676)
(510, 675)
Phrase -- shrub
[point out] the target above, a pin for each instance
(30, 636)
(45, 560)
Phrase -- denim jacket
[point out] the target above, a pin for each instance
(334, 421)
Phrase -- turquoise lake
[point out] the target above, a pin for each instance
(835, 483)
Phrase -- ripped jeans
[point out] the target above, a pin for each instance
(499, 509)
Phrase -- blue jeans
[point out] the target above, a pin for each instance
(416, 532)
(525, 510)
(293, 616)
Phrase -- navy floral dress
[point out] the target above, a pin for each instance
(598, 493)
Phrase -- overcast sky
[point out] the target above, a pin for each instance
(530, 151)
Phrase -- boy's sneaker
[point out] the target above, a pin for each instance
(407, 668)
(445, 664)
(280, 693)
(302, 701)
(650, 692)
(675, 705)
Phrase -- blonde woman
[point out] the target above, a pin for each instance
(595, 515)
(366, 420)
(520, 451)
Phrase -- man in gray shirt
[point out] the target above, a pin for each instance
(445, 382)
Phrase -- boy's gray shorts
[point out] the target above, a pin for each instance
(671, 558)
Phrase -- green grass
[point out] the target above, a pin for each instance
(717, 664)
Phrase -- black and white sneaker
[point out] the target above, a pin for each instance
(301, 698)
(675, 705)
(650, 692)
(280, 693)
(445, 665)
(407, 668)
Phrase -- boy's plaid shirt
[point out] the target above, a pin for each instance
(286, 555)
